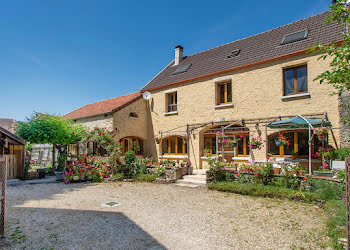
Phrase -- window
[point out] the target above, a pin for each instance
(172, 102)
(132, 143)
(295, 80)
(133, 115)
(294, 37)
(224, 93)
(298, 142)
(243, 145)
(210, 144)
(174, 145)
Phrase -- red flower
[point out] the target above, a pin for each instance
(85, 133)
(305, 178)
(96, 129)
(110, 143)
(73, 132)
(238, 174)
(75, 138)
(103, 134)
(99, 135)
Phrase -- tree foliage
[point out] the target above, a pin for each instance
(45, 128)
(339, 73)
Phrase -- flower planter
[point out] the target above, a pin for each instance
(233, 144)
(322, 137)
(59, 176)
(41, 172)
(275, 171)
(323, 173)
(278, 143)
(254, 146)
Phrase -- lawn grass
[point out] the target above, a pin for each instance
(145, 177)
(329, 193)
(265, 191)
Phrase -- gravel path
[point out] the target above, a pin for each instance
(154, 216)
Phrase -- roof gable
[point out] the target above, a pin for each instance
(253, 49)
(102, 107)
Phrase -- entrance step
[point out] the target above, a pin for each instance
(198, 178)
(190, 185)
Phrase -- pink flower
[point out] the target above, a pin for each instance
(241, 136)
(256, 174)
(251, 146)
(238, 174)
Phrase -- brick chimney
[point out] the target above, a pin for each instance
(178, 54)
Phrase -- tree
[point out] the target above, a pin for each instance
(52, 129)
(339, 73)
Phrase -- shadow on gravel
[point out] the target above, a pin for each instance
(47, 228)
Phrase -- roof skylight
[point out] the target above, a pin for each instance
(182, 69)
(296, 36)
(234, 53)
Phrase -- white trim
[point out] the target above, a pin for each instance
(211, 157)
(241, 158)
(173, 156)
(170, 91)
(223, 78)
(223, 105)
(295, 96)
(171, 113)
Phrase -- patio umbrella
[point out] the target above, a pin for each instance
(300, 122)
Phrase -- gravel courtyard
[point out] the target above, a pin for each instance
(154, 216)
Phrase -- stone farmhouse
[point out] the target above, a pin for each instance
(242, 85)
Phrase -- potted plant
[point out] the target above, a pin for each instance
(275, 170)
(256, 142)
(294, 155)
(232, 143)
(281, 141)
(322, 133)
(61, 163)
(158, 139)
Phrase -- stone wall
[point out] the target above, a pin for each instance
(256, 93)
(100, 121)
(344, 110)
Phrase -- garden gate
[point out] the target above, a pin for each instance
(347, 180)
(3, 177)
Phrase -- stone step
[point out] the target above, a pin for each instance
(200, 182)
(190, 185)
(199, 172)
(195, 177)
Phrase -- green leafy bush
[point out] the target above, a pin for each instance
(129, 157)
(61, 161)
(342, 153)
(216, 170)
(159, 171)
(341, 175)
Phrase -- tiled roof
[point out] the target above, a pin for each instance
(6, 123)
(254, 49)
(102, 107)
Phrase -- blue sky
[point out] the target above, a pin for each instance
(56, 56)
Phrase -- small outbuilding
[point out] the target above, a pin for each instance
(13, 148)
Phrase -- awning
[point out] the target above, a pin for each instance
(298, 122)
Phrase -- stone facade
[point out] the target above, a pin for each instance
(256, 93)
(344, 111)
(100, 121)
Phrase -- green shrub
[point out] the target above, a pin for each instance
(328, 190)
(216, 170)
(341, 175)
(61, 162)
(129, 157)
(159, 171)
(264, 191)
(146, 177)
(287, 181)
(342, 153)
(118, 176)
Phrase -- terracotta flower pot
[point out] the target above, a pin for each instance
(275, 171)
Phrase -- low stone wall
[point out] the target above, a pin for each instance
(172, 173)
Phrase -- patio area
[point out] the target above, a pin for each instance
(154, 216)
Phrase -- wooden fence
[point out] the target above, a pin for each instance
(3, 175)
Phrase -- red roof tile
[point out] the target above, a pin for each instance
(102, 107)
